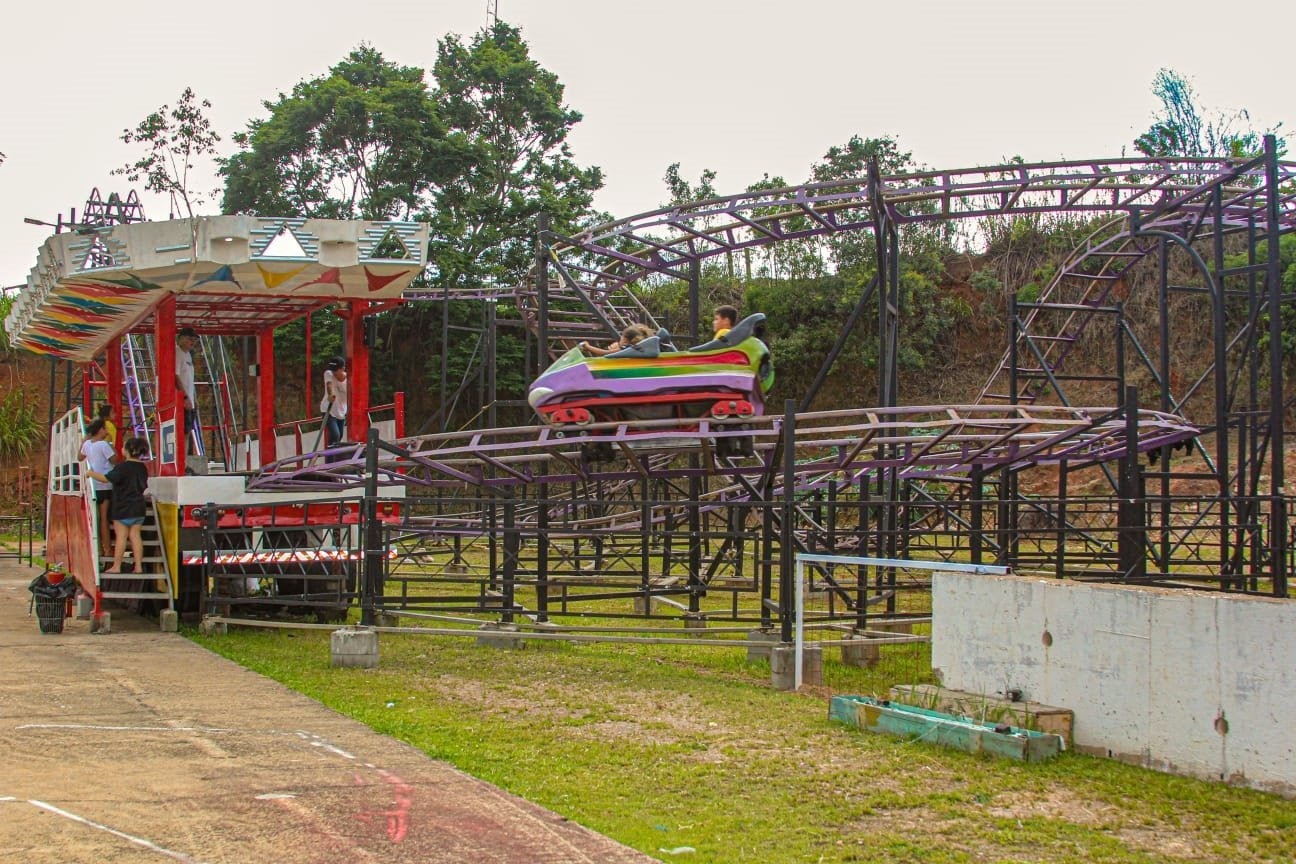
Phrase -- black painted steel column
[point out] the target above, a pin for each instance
(1273, 276)
(374, 557)
(787, 583)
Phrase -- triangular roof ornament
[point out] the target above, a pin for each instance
(284, 245)
(390, 247)
(97, 257)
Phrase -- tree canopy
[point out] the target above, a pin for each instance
(364, 142)
(507, 113)
(1181, 128)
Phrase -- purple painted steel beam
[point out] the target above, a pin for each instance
(947, 439)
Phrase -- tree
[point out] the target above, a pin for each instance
(857, 250)
(175, 137)
(364, 142)
(680, 190)
(1179, 129)
(507, 112)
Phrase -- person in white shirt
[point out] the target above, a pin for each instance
(99, 456)
(186, 339)
(334, 403)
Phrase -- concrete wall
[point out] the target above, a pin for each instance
(1188, 682)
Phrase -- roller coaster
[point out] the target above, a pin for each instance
(636, 516)
(645, 518)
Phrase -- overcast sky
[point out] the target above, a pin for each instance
(744, 88)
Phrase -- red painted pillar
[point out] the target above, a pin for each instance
(358, 367)
(164, 341)
(265, 395)
(113, 376)
(399, 407)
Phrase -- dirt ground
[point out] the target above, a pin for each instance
(138, 745)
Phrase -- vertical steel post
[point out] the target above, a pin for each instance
(1130, 532)
(694, 291)
(542, 552)
(1215, 279)
(371, 584)
(542, 291)
(787, 606)
(695, 583)
(1273, 277)
(492, 379)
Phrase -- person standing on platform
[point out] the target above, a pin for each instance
(186, 339)
(99, 456)
(334, 403)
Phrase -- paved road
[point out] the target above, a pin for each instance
(141, 746)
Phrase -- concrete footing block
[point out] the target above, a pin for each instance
(456, 569)
(643, 605)
(761, 652)
(499, 636)
(783, 666)
(207, 627)
(696, 622)
(386, 619)
(354, 647)
(169, 621)
(101, 624)
(860, 651)
(84, 607)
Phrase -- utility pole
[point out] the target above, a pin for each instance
(492, 13)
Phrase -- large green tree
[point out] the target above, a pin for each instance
(364, 141)
(508, 112)
(477, 154)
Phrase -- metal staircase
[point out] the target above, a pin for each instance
(578, 312)
(147, 579)
(140, 384)
(1087, 288)
(214, 373)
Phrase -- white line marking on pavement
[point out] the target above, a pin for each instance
(124, 728)
(138, 841)
(316, 741)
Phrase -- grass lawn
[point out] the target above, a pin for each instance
(670, 748)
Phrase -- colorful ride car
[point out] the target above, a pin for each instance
(727, 377)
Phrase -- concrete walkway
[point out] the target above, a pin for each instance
(140, 746)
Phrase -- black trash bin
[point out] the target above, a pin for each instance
(50, 614)
(51, 599)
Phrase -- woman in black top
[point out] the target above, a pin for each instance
(129, 481)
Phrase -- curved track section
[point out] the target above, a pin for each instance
(923, 441)
(667, 240)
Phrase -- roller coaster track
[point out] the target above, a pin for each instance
(595, 269)
(911, 442)
(667, 240)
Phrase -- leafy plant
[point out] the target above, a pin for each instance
(20, 428)
(6, 305)
(1180, 129)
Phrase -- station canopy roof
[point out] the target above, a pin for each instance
(230, 275)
